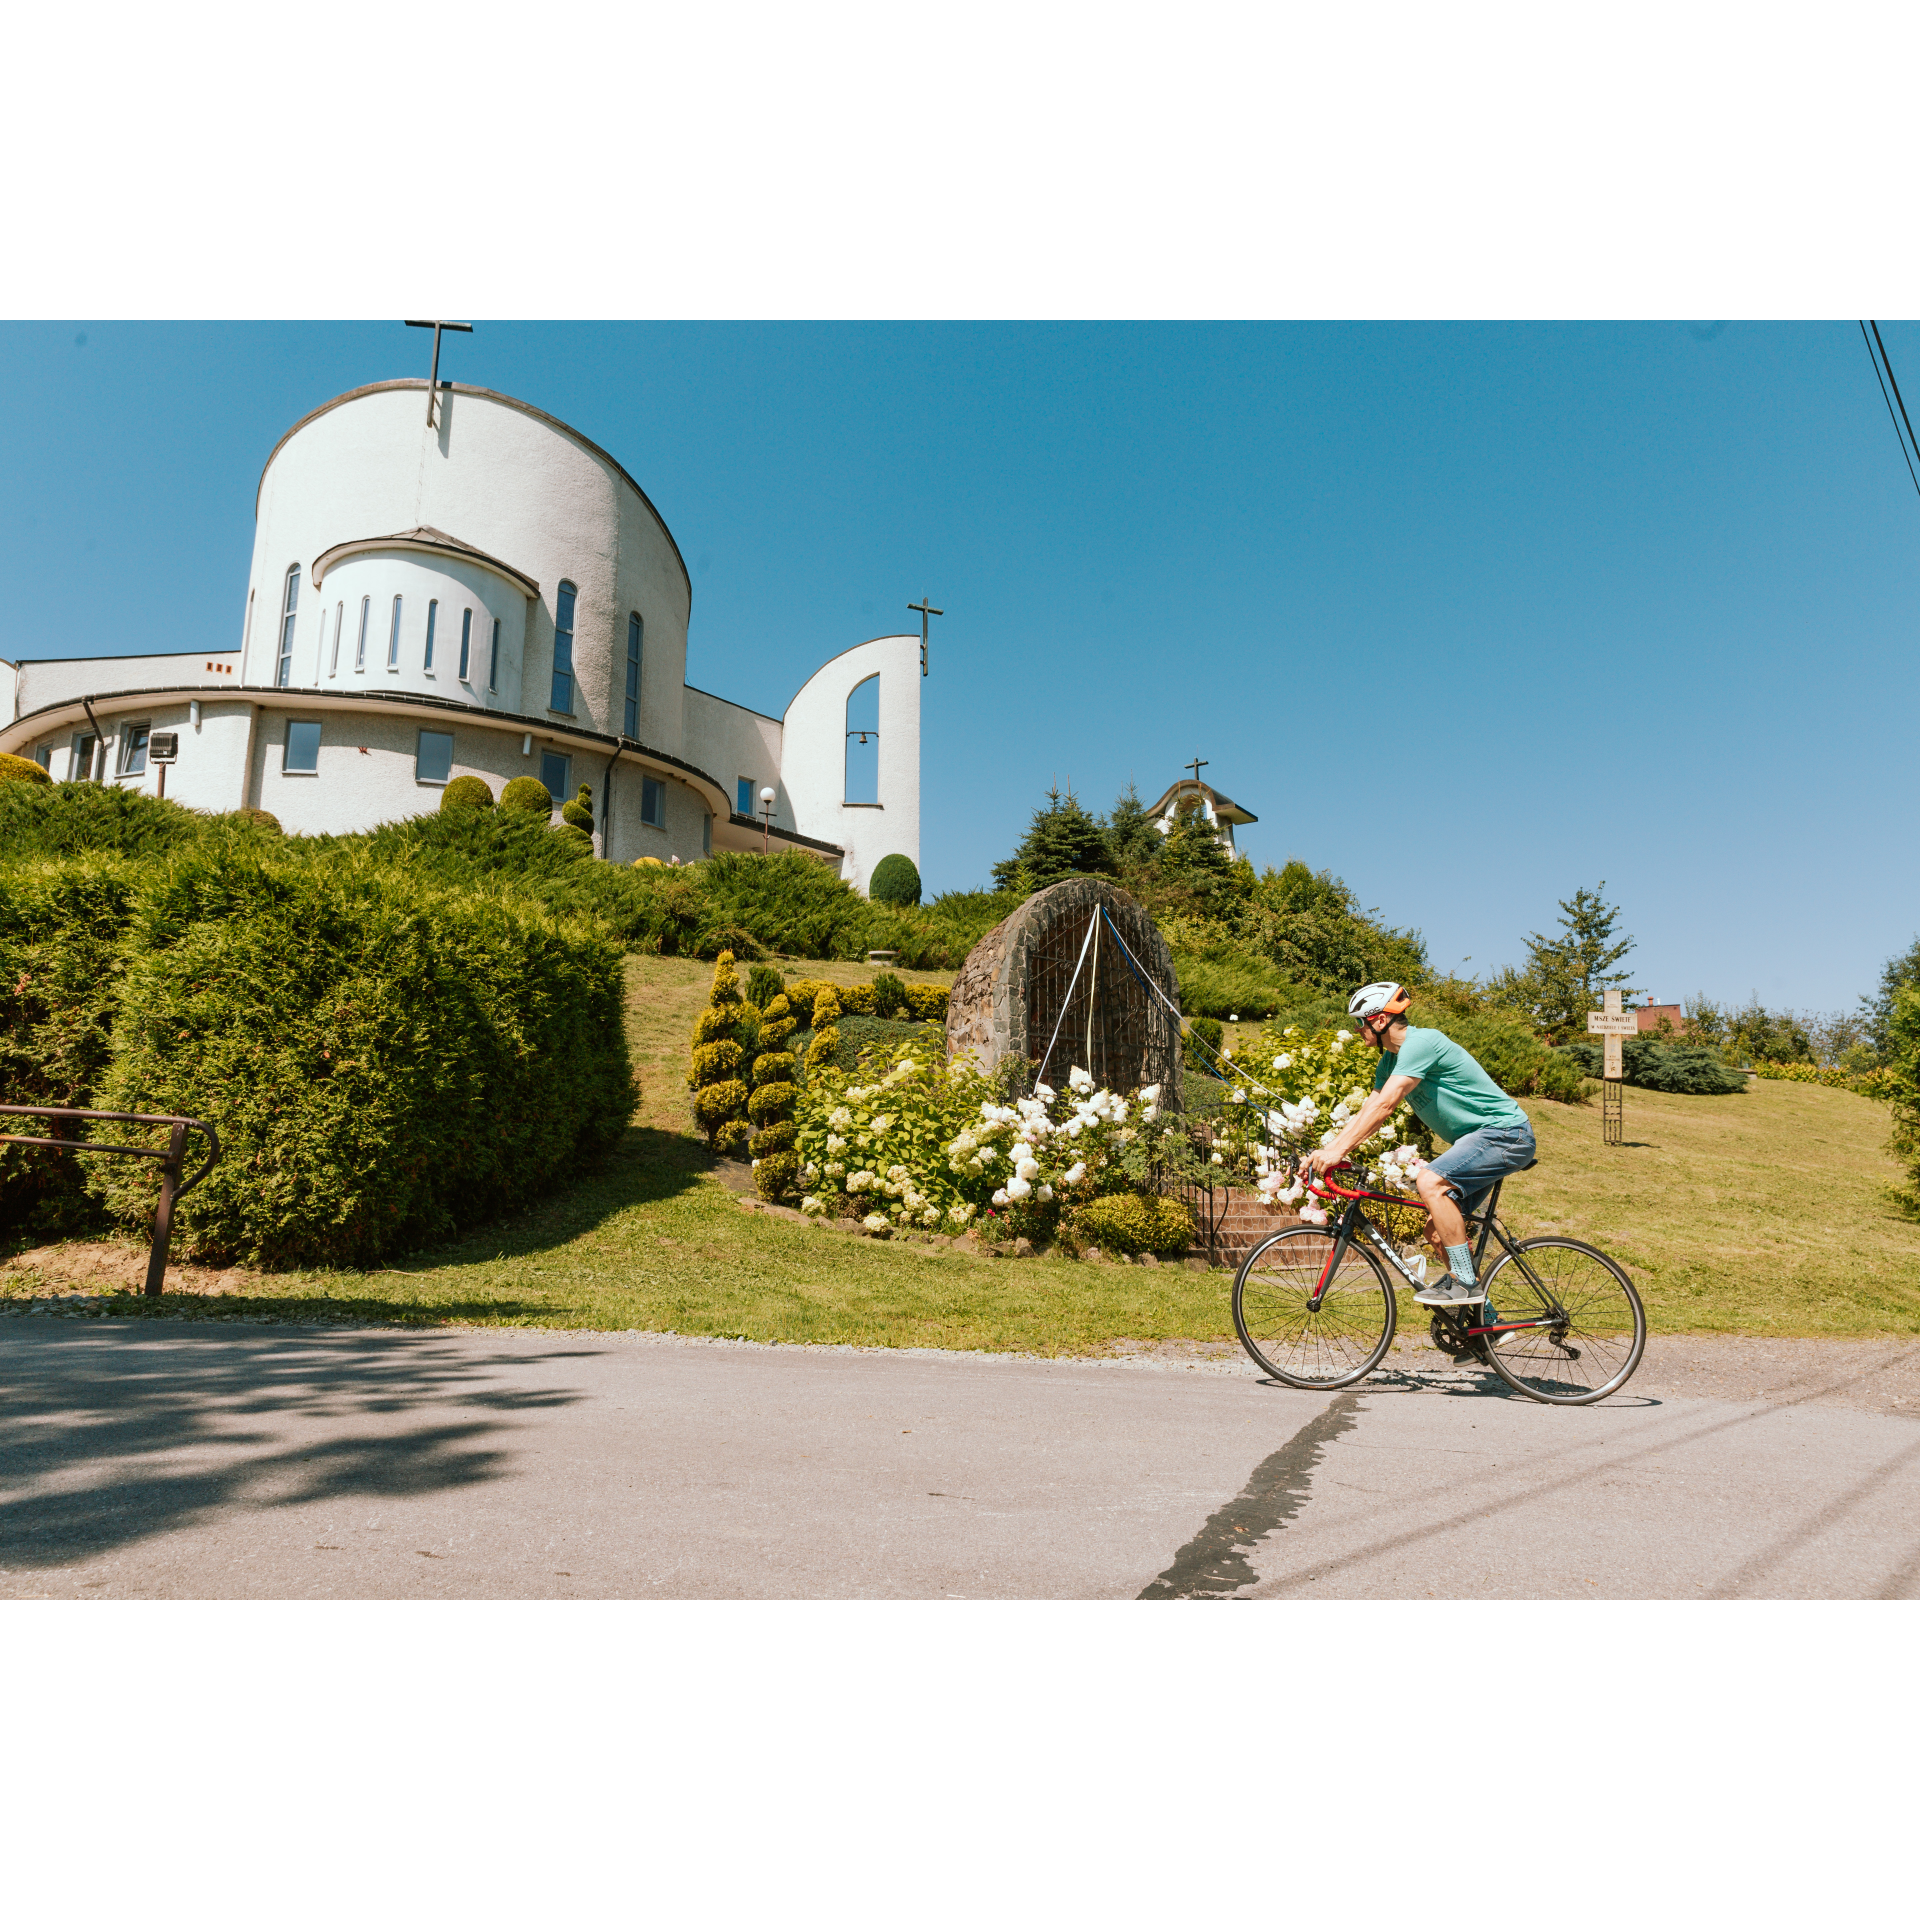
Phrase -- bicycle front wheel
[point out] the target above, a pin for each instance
(1340, 1340)
(1604, 1334)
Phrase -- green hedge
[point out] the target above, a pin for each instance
(386, 1061)
(1661, 1068)
(61, 924)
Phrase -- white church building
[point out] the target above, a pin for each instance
(483, 591)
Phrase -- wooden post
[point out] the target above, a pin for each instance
(1611, 1024)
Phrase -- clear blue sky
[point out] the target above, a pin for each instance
(1471, 614)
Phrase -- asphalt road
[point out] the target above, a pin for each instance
(161, 1460)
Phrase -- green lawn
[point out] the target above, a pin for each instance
(1760, 1212)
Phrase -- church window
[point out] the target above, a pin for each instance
(561, 699)
(80, 765)
(43, 758)
(339, 616)
(303, 747)
(633, 676)
(433, 611)
(556, 774)
(743, 796)
(284, 672)
(393, 638)
(653, 802)
(133, 748)
(863, 743)
(466, 643)
(433, 760)
(360, 645)
(493, 661)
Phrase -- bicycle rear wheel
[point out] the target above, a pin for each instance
(1595, 1351)
(1342, 1340)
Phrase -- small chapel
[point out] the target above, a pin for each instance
(448, 581)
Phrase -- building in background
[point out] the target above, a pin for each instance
(1186, 795)
(484, 593)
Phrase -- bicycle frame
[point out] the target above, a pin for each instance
(1554, 1314)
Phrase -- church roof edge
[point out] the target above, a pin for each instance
(426, 540)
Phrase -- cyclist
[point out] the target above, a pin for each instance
(1450, 1090)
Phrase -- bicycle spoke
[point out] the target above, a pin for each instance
(1294, 1342)
(1599, 1331)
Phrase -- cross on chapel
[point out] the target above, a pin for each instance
(922, 609)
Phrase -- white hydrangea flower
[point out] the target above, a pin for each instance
(999, 1196)
(835, 1168)
(1079, 1079)
(881, 1122)
(1044, 1092)
(1018, 1189)
(813, 1204)
(840, 1120)
(1282, 1061)
(1150, 1093)
(876, 1223)
(835, 1144)
(1075, 1173)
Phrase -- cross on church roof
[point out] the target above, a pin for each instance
(433, 375)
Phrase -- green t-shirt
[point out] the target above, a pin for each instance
(1455, 1095)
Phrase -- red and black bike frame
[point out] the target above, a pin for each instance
(1352, 1219)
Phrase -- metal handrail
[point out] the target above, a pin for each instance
(172, 1157)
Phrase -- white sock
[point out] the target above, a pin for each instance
(1461, 1262)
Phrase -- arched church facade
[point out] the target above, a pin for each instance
(487, 593)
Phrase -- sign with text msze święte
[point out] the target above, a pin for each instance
(1613, 1023)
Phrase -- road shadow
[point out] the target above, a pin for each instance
(99, 1428)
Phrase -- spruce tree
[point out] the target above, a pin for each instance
(1564, 978)
(1132, 836)
(1064, 839)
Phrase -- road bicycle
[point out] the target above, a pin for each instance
(1315, 1307)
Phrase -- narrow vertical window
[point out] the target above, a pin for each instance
(493, 661)
(433, 758)
(433, 611)
(292, 600)
(339, 618)
(561, 698)
(360, 645)
(633, 676)
(393, 638)
(466, 642)
(80, 765)
(556, 775)
(303, 747)
(653, 802)
(863, 743)
(133, 749)
(743, 796)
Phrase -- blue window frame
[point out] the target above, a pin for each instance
(743, 796)
(433, 613)
(560, 700)
(653, 802)
(493, 661)
(360, 645)
(466, 641)
(289, 605)
(393, 638)
(433, 758)
(556, 772)
(303, 747)
(633, 676)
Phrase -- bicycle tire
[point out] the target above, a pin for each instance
(1341, 1343)
(1597, 1351)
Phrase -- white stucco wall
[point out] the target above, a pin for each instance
(209, 774)
(730, 741)
(517, 486)
(812, 783)
(44, 683)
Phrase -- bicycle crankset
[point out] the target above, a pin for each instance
(1451, 1334)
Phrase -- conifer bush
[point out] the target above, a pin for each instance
(764, 985)
(889, 996)
(716, 1073)
(469, 792)
(386, 1061)
(527, 795)
(14, 767)
(895, 882)
(825, 1046)
(1137, 1223)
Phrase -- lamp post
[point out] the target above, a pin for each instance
(766, 817)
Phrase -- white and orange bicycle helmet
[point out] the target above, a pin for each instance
(1379, 996)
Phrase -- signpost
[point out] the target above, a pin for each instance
(1612, 1024)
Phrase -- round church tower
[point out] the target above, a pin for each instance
(493, 577)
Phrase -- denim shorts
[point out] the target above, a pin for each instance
(1476, 1160)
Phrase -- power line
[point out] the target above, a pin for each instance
(1903, 438)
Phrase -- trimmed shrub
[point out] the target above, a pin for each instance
(257, 817)
(764, 985)
(824, 1048)
(927, 1003)
(578, 812)
(61, 925)
(1201, 1043)
(468, 791)
(889, 996)
(719, 1092)
(895, 882)
(1137, 1223)
(776, 1025)
(527, 795)
(13, 767)
(771, 1102)
(386, 1061)
(575, 836)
